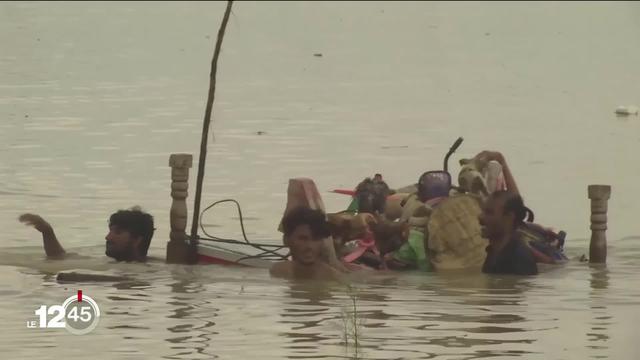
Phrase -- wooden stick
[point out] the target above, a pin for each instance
(207, 121)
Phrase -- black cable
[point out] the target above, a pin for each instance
(262, 247)
(231, 241)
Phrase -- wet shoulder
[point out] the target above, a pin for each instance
(281, 269)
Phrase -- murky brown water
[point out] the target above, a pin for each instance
(95, 96)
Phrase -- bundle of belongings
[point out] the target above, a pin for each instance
(429, 226)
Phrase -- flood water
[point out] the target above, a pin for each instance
(94, 97)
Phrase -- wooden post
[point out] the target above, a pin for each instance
(207, 120)
(599, 195)
(179, 249)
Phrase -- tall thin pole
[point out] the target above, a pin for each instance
(207, 121)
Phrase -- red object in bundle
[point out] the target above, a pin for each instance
(344, 192)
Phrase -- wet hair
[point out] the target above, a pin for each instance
(315, 219)
(137, 223)
(513, 203)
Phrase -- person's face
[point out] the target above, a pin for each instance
(304, 248)
(494, 223)
(121, 245)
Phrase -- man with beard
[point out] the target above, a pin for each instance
(304, 230)
(128, 239)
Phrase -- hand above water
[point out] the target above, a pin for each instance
(36, 221)
(486, 156)
(52, 246)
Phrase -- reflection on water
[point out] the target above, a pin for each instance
(319, 314)
(309, 307)
(181, 312)
(598, 331)
(193, 338)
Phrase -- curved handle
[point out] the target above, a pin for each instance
(453, 148)
(456, 145)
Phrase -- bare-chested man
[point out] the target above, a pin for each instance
(128, 239)
(304, 229)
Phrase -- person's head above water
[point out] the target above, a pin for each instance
(130, 233)
(304, 230)
(501, 214)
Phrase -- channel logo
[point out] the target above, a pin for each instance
(78, 315)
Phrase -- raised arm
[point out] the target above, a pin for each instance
(508, 177)
(51, 244)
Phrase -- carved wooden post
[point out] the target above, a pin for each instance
(599, 195)
(179, 249)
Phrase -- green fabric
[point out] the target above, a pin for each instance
(413, 253)
(353, 207)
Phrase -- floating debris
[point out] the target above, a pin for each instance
(87, 277)
(260, 132)
(317, 54)
(627, 110)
